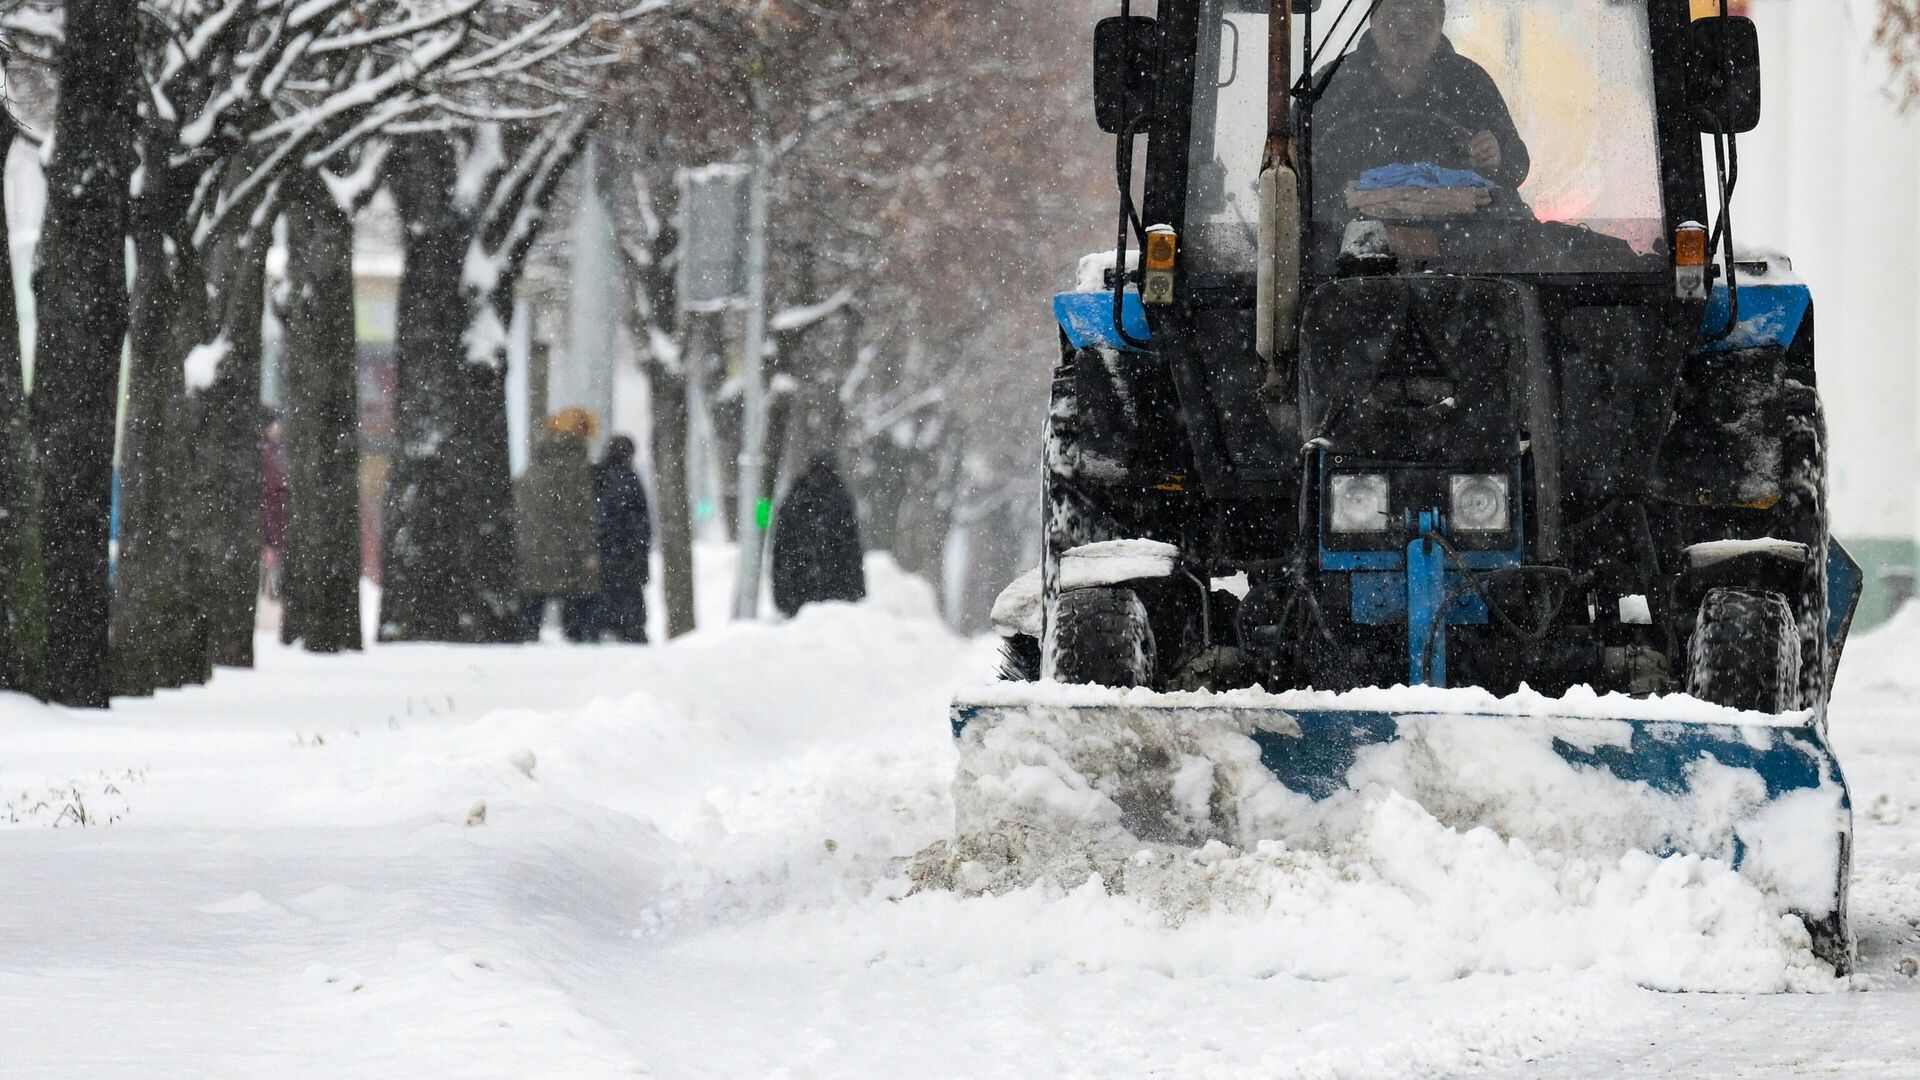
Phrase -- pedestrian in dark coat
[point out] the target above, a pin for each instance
(624, 531)
(816, 541)
(553, 506)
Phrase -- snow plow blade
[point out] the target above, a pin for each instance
(1587, 775)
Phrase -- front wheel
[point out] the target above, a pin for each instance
(1746, 651)
(1099, 637)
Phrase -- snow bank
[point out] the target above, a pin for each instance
(1403, 897)
(698, 860)
(1885, 657)
(1459, 818)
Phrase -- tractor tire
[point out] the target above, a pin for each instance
(1745, 652)
(1099, 637)
(1076, 477)
(1804, 457)
(1075, 494)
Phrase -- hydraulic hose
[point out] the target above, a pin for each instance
(1499, 614)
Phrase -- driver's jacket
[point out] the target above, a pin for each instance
(1361, 114)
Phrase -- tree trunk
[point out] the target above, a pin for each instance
(449, 552)
(159, 626)
(926, 516)
(223, 489)
(320, 589)
(427, 593)
(670, 355)
(81, 293)
(22, 614)
(880, 493)
(488, 544)
(725, 410)
(994, 549)
(672, 509)
(450, 571)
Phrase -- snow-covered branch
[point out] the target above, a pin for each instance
(799, 318)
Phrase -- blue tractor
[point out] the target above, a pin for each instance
(1415, 399)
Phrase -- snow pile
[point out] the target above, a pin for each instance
(1089, 566)
(1883, 658)
(697, 860)
(1476, 837)
(1091, 274)
(890, 589)
(1403, 897)
(1112, 562)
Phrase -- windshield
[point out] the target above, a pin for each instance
(1483, 135)
(1229, 135)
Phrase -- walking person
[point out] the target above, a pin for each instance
(276, 501)
(624, 531)
(816, 541)
(553, 505)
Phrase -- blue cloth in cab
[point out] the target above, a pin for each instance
(1423, 175)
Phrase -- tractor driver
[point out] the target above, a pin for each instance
(1405, 97)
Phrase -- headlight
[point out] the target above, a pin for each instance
(1480, 503)
(1359, 503)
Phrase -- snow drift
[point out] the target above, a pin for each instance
(1551, 861)
(737, 855)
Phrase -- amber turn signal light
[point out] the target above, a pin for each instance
(1690, 261)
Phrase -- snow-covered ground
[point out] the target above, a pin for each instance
(696, 861)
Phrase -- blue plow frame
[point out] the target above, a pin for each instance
(1313, 751)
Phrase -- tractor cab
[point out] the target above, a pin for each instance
(1526, 139)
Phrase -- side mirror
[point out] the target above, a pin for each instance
(1723, 75)
(1125, 50)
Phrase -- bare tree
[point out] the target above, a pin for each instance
(474, 184)
(320, 580)
(240, 94)
(81, 291)
(935, 178)
(1899, 34)
(650, 243)
(22, 615)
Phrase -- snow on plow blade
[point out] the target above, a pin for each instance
(1586, 775)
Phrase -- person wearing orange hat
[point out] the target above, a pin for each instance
(557, 558)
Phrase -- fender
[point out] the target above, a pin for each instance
(1742, 401)
(1087, 319)
(1773, 307)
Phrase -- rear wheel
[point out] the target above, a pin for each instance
(1746, 651)
(1099, 637)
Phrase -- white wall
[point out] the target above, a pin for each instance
(1829, 178)
(583, 364)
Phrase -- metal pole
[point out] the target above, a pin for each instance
(1279, 83)
(753, 425)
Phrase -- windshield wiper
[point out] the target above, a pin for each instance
(1310, 91)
